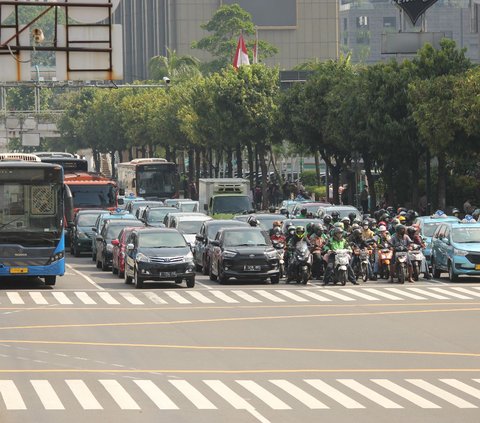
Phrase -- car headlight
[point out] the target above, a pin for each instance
(271, 254)
(189, 257)
(229, 254)
(142, 257)
(459, 252)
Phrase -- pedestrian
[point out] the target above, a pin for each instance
(257, 197)
(364, 199)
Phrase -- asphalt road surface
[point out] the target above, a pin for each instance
(94, 348)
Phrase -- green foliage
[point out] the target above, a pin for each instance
(173, 66)
(318, 192)
(308, 177)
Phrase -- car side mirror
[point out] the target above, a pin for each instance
(94, 229)
(215, 243)
(115, 242)
(120, 202)
(283, 211)
(446, 241)
(199, 237)
(99, 238)
(130, 247)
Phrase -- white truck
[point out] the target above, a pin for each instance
(225, 197)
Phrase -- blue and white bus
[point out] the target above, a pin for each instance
(32, 213)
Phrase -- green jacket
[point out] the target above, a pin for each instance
(334, 245)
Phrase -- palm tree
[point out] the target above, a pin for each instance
(173, 66)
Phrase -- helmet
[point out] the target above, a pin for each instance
(382, 223)
(335, 215)
(357, 233)
(455, 211)
(384, 217)
(252, 221)
(272, 209)
(352, 216)
(291, 230)
(439, 213)
(401, 209)
(318, 228)
(400, 228)
(339, 225)
(365, 223)
(357, 221)
(395, 222)
(327, 219)
(402, 213)
(276, 231)
(309, 228)
(337, 230)
(277, 223)
(382, 228)
(355, 226)
(401, 219)
(300, 231)
(303, 211)
(468, 219)
(411, 231)
(345, 220)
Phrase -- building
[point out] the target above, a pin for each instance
(362, 23)
(300, 29)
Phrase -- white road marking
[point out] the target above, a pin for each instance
(313, 295)
(248, 297)
(15, 298)
(291, 295)
(87, 278)
(154, 298)
(119, 394)
(452, 294)
(131, 298)
(38, 298)
(336, 294)
(176, 297)
(360, 294)
(302, 396)
(467, 291)
(105, 296)
(428, 293)
(235, 400)
(441, 393)
(200, 297)
(85, 298)
(202, 284)
(405, 393)
(474, 392)
(62, 298)
(334, 394)
(369, 393)
(193, 395)
(269, 296)
(224, 297)
(47, 395)
(156, 395)
(406, 293)
(383, 294)
(11, 396)
(83, 395)
(267, 397)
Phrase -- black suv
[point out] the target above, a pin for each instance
(81, 232)
(103, 240)
(158, 254)
(243, 253)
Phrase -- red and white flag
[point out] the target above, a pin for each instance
(241, 55)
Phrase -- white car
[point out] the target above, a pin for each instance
(188, 225)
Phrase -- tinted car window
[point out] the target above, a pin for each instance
(189, 227)
(161, 240)
(429, 229)
(87, 219)
(464, 235)
(244, 238)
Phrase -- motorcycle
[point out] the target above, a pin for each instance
(280, 249)
(385, 255)
(401, 263)
(340, 269)
(416, 257)
(361, 263)
(300, 266)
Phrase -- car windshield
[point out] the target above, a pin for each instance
(161, 240)
(266, 222)
(189, 207)
(213, 229)
(189, 226)
(158, 215)
(231, 204)
(429, 228)
(245, 238)
(85, 196)
(465, 235)
(87, 219)
(114, 230)
(343, 212)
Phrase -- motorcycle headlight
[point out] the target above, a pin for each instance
(142, 257)
(271, 254)
(459, 252)
(229, 254)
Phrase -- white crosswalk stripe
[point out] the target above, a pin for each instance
(83, 395)
(15, 298)
(105, 296)
(193, 395)
(247, 297)
(119, 394)
(235, 400)
(428, 293)
(405, 393)
(267, 397)
(131, 298)
(62, 298)
(369, 393)
(47, 395)
(177, 297)
(406, 293)
(474, 392)
(154, 298)
(467, 291)
(11, 395)
(334, 394)
(304, 397)
(452, 294)
(85, 298)
(383, 294)
(360, 293)
(292, 296)
(156, 395)
(441, 393)
(200, 297)
(313, 295)
(269, 296)
(224, 297)
(38, 298)
(337, 295)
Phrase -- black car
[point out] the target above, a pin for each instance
(81, 232)
(243, 253)
(158, 254)
(103, 240)
(204, 238)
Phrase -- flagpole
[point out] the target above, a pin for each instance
(255, 59)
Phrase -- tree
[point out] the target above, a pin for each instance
(173, 66)
(227, 23)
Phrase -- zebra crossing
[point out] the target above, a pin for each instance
(307, 295)
(239, 394)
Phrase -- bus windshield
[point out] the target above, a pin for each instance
(31, 214)
(156, 181)
(101, 196)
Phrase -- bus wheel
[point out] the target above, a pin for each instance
(50, 280)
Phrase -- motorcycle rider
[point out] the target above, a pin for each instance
(346, 224)
(335, 217)
(367, 233)
(327, 222)
(276, 224)
(303, 213)
(357, 241)
(412, 232)
(310, 230)
(400, 239)
(352, 216)
(277, 236)
(456, 213)
(299, 236)
(317, 241)
(381, 238)
(336, 242)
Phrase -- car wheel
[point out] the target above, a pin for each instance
(435, 272)
(210, 273)
(222, 279)
(50, 280)
(137, 280)
(128, 279)
(452, 276)
(275, 279)
(191, 282)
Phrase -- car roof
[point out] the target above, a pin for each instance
(155, 230)
(228, 222)
(430, 219)
(91, 211)
(456, 225)
(243, 229)
(191, 214)
(192, 218)
(330, 207)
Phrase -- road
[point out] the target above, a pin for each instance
(95, 348)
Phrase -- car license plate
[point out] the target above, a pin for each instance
(250, 268)
(477, 267)
(167, 274)
(19, 270)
